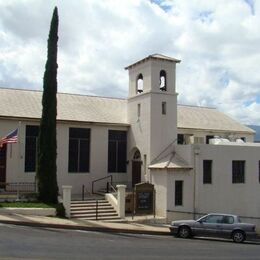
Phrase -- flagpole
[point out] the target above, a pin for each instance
(11, 150)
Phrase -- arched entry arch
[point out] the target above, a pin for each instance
(136, 167)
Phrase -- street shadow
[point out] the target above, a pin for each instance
(213, 239)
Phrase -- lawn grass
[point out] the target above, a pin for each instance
(17, 204)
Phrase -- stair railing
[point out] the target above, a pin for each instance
(112, 188)
(96, 209)
(83, 192)
(101, 179)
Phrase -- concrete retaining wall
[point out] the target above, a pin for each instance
(29, 211)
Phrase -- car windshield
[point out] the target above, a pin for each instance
(201, 218)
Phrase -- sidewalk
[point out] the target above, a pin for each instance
(126, 226)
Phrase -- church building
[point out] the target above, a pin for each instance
(199, 159)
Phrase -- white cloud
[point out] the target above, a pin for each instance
(217, 40)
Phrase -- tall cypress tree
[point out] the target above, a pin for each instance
(47, 142)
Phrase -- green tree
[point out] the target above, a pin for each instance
(47, 141)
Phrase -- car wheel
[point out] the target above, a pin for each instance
(184, 232)
(238, 236)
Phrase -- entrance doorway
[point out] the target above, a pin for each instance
(2, 164)
(136, 168)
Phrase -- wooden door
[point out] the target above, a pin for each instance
(136, 172)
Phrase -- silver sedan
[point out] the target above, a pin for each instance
(214, 225)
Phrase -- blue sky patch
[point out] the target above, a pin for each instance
(257, 99)
(248, 103)
(204, 17)
(161, 4)
(251, 4)
(224, 79)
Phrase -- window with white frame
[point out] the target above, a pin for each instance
(117, 145)
(79, 150)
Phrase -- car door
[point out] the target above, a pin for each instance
(226, 226)
(199, 227)
(210, 225)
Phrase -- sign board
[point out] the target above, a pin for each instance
(144, 198)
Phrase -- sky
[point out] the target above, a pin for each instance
(217, 41)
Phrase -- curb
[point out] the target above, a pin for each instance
(86, 228)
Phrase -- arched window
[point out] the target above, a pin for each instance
(139, 83)
(163, 80)
(137, 155)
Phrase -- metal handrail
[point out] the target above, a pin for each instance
(112, 188)
(18, 186)
(10, 190)
(100, 179)
(96, 209)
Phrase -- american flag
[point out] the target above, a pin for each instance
(11, 138)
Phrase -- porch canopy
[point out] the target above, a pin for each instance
(170, 161)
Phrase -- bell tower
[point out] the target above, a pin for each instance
(152, 107)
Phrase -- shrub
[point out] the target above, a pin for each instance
(60, 210)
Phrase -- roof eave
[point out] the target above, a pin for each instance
(155, 58)
(217, 130)
(17, 118)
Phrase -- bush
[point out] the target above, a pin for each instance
(60, 210)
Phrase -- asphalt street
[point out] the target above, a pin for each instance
(18, 242)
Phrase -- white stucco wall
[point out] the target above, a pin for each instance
(15, 152)
(139, 132)
(184, 210)
(98, 155)
(222, 195)
(159, 179)
(163, 127)
(153, 131)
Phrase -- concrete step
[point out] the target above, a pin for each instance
(87, 210)
(88, 207)
(92, 211)
(93, 215)
(116, 218)
(87, 201)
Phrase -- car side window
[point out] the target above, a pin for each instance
(213, 219)
(228, 220)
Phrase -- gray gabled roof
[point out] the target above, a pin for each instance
(18, 103)
(204, 118)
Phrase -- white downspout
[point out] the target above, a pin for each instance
(195, 185)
